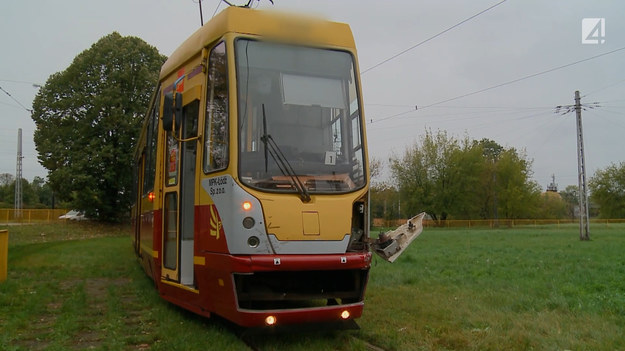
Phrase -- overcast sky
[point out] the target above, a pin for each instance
(513, 40)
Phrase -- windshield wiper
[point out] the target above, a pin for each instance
(283, 164)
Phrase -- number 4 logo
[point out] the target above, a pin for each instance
(593, 30)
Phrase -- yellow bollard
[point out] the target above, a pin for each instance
(4, 254)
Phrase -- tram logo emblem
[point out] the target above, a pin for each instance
(214, 222)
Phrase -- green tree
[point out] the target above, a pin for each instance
(607, 189)
(452, 179)
(570, 195)
(385, 202)
(468, 168)
(439, 175)
(6, 196)
(43, 192)
(517, 195)
(487, 192)
(375, 169)
(28, 194)
(87, 119)
(553, 206)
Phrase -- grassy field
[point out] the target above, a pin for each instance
(78, 286)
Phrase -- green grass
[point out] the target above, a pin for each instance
(78, 286)
(91, 294)
(511, 289)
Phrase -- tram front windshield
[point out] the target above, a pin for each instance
(299, 118)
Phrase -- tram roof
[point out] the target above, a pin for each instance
(269, 24)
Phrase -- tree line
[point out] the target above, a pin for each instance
(35, 194)
(452, 178)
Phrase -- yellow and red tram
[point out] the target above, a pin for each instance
(251, 173)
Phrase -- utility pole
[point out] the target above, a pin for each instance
(584, 225)
(18, 176)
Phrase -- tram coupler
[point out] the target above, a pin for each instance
(392, 244)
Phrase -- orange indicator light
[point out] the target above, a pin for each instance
(247, 205)
(151, 196)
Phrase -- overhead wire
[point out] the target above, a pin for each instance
(36, 85)
(8, 104)
(430, 38)
(618, 123)
(14, 99)
(216, 8)
(501, 84)
(523, 78)
(468, 107)
(502, 115)
(604, 88)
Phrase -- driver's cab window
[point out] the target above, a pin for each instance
(298, 117)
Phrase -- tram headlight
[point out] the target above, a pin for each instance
(248, 222)
(270, 320)
(253, 241)
(345, 314)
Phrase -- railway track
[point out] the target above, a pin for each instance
(253, 337)
(370, 347)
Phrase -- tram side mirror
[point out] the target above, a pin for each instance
(168, 111)
(178, 110)
(172, 107)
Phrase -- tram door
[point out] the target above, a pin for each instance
(179, 199)
(138, 209)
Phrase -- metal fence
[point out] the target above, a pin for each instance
(492, 223)
(10, 215)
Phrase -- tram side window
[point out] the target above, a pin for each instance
(149, 170)
(216, 141)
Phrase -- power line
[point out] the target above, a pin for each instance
(501, 116)
(14, 99)
(524, 78)
(216, 8)
(36, 85)
(12, 105)
(605, 87)
(432, 37)
(502, 84)
(468, 107)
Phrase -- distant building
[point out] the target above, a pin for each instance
(553, 187)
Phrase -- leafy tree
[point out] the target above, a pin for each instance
(470, 175)
(456, 179)
(385, 202)
(7, 194)
(553, 206)
(42, 191)
(6, 197)
(439, 175)
(487, 192)
(517, 195)
(36, 194)
(420, 174)
(6, 179)
(607, 188)
(375, 169)
(87, 119)
(570, 195)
